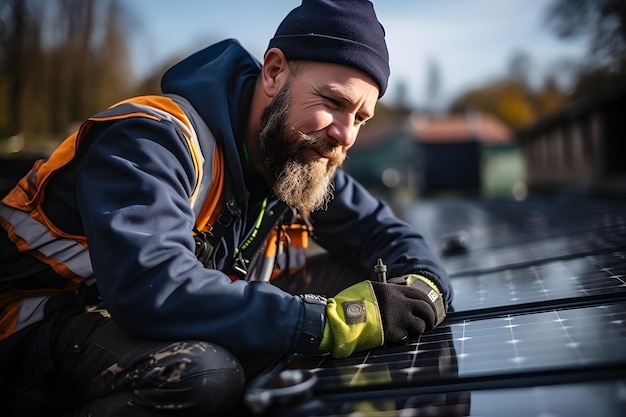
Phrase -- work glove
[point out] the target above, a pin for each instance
(371, 314)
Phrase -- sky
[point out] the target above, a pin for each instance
(469, 41)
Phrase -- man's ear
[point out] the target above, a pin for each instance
(275, 71)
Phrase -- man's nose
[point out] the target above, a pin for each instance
(343, 130)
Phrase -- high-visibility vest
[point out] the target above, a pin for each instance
(28, 227)
(285, 249)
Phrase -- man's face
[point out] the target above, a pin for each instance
(299, 164)
(296, 173)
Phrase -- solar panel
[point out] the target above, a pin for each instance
(555, 346)
(492, 223)
(504, 234)
(539, 249)
(582, 337)
(538, 327)
(602, 275)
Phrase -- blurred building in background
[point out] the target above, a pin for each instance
(582, 147)
(468, 153)
(463, 154)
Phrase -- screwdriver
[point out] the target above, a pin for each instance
(381, 270)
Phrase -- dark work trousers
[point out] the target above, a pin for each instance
(85, 365)
(108, 372)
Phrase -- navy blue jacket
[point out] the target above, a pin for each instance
(128, 192)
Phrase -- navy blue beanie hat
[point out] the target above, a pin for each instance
(344, 32)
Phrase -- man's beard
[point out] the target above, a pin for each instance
(291, 159)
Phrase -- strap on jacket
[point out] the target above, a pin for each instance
(248, 255)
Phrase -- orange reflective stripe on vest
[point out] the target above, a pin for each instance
(28, 227)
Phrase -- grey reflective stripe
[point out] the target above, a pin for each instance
(38, 237)
(31, 311)
(206, 148)
(68, 251)
(188, 131)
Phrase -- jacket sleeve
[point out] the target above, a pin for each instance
(360, 228)
(133, 196)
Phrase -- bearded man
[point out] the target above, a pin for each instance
(134, 262)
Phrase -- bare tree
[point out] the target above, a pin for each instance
(113, 70)
(603, 22)
(60, 61)
(433, 85)
(20, 31)
(520, 68)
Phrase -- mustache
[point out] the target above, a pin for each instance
(307, 142)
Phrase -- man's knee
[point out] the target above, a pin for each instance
(192, 377)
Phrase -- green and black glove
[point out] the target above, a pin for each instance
(371, 314)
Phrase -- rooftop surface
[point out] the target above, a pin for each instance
(538, 327)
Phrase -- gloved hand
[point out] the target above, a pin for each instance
(370, 314)
(427, 287)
